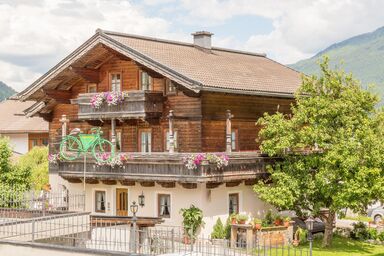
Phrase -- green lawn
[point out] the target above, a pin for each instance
(345, 246)
(359, 218)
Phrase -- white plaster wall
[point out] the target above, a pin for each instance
(213, 202)
(19, 142)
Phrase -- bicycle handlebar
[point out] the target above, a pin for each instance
(96, 130)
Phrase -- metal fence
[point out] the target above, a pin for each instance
(82, 231)
(29, 204)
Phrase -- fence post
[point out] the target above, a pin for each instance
(33, 230)
(191, 239)
(173, 240)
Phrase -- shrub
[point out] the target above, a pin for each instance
(360, 231)
(381, 236)
(218, 230)
(242, 217)
(372, 233)
(268, 219)
(228, 228)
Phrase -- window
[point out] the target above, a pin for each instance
(145, 81)
(35, 142)
(233, 203)
(167, 144)
(116, 82)
(99, 201)
(170, 87)
(234, 140)
(44, 141)
(145, 141)
(164, 205)
(92, 88)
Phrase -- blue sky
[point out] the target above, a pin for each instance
(38, 34)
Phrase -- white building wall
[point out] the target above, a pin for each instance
(213, 202)
(19, 142)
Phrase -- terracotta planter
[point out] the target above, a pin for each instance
(242, 222)
(257, 226)
(186, 240)
(233, 221)
(287, 223)
(277, 222)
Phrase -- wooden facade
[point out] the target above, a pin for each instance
(200, 124)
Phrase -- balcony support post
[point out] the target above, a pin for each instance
(113, 134)
(171, 133)
(229, 132)
(64, 121)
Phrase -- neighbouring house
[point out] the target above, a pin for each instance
(179, 100)
(23, 132)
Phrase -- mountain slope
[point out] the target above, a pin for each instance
(363, 55)
(5, 91)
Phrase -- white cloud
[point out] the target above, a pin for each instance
(38, 34)
(35, 37)
(301, 27)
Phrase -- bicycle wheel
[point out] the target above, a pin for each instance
(70, 148)
(103, 151)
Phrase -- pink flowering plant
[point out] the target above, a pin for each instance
(193, 161)
(53, 158)
(110, 98)
(116, 161)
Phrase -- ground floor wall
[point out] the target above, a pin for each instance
(213, 202)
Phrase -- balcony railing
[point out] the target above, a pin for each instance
(137, 104)
(162, 166)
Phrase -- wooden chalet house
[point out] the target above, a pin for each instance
(181, 99)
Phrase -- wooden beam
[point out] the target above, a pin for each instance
(60, 96)
(211, 185)
(46, 116)
(127, 182)
(74, 180)
(232, 183)
(189, 185)
(147, 183)
(250, 182)
(90, 75)
(91, 181)
(109, 182)
(166, 184)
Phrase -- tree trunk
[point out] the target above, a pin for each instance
(328, 233)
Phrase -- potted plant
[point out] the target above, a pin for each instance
(287, 221)
(242, 218)
(218, 234)
(192, 221)
(300, 236)
(257, 224)
(233, 218)
(278, 220)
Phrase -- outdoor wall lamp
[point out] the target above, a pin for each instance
(142, 199)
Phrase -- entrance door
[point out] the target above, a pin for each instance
(122, 202)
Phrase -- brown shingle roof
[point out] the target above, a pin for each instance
(13, 120)
(220, 68)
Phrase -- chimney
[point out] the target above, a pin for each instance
(202, 39)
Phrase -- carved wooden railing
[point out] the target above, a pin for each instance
(137, 104)
(162, 166)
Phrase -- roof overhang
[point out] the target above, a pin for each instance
(102, 38)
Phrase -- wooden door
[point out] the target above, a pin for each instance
(122, 202)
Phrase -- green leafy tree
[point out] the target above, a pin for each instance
(12, 178)
(35, 162)
(331, 149)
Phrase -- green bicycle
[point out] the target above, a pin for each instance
(72, 146)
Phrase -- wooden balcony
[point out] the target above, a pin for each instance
(138, 104)
(164, 168)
